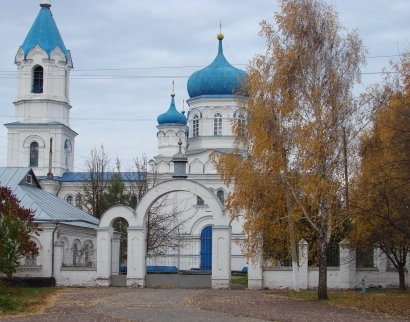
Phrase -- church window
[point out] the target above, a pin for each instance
(221, 196)
(38, 79)
(31, 260)
(75, 254)
(78, 201)
(34, 154)
(218, 124)
(195, 126)
(199, 201)
(69, 200)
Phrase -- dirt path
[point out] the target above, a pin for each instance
(124, 304)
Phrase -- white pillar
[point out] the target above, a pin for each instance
(221, 256)
(347, 273)
(136, 252)
(303, 265)
(58, 259)
(255, 274)
(104, 256)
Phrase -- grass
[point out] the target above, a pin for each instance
(18, 300)
(392, 302)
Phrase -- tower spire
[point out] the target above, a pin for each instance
(183, 107)
(220, 35)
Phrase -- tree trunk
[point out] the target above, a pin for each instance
(322, 287)
(295, 266)
(402, 279)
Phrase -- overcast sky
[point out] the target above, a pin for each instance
(144, 45)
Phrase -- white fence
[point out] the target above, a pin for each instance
(345, 276)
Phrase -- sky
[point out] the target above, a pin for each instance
(126, 54)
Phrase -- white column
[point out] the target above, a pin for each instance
(221, 256)
(136, 251)
(347, 273)
(47, 248)
(303, 265)
(58, 254)
(255, 274)
(104, 256)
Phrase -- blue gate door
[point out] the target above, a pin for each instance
(206, 249)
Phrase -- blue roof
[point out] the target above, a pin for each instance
(172, 116)
(82, 176)
(44, 33)
(219, 78)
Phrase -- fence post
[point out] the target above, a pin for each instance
(303, 264)
(255, 272)
(347, 270)
(103, 256)
(136, 257)
(381, 263)
(58, 250)
(221, 256)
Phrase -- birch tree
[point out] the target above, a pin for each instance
(300, 103)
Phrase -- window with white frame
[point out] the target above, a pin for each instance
(78, 201)
(221, 196)
(34, 154)
(218, 124)
(69, 200)
(195, 126)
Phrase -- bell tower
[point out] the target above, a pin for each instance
(41, 136)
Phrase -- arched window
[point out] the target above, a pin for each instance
(218, 124)
(221, 196)
(78, 201)
(38, 78)
(75, 254)
(34, 154)
(195, 126)
(69, 199)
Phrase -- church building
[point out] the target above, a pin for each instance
(41, 138)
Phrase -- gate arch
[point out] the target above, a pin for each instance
(136, 255)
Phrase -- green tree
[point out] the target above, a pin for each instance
(16, 225)
(300, 104)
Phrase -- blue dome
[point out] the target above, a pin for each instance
(172, 116)
(219, 78)
(44, 33)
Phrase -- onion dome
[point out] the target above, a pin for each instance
(44, 33)
(172, 116)
(219, 78)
